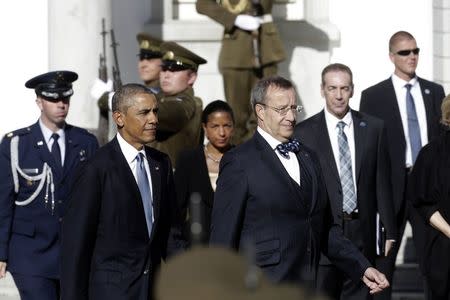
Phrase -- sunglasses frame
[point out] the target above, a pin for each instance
(407, 52)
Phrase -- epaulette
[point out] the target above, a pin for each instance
(18, 132)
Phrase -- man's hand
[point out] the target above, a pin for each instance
(388, 246)
(375, 280)
(2, 269)
(247, 22)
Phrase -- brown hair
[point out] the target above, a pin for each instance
(445, 109)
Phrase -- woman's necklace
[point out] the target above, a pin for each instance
(216, 160)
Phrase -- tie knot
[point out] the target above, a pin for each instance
(408, 86)
(289, 146)
(55, 137)
(140, 157)
(341, 125)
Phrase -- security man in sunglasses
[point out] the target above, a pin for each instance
(410, 108)
(179, 110)
(36, 166)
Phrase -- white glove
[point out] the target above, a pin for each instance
(247, 22)
(100, 87)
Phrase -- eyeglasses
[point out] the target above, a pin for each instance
(408, 52)
(282, 111)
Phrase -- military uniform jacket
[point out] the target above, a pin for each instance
(178, 123)
(237, 48)
(29, 234)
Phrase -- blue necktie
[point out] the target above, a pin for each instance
(144, 188)
(56, 150)
(290, 146)
(413, 124)
(346, 174)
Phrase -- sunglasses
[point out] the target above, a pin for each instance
(408, 52)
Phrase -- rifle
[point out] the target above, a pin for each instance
(102, 103)
(117, 82)
(257, 11)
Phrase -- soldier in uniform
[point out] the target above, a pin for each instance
(36, 166)
(179, 110)
(251, 49)
(149, 65)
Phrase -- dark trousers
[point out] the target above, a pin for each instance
(332, 282)
(36, 288)
(238, 84)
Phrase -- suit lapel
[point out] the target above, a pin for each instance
(324, 144)
(428, 101)
(359, 126)
(392, 111)
(155, 173)
(269, 157)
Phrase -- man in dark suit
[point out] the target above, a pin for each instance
(122, 209)
(251, 49)
(410, 108)
(277, 200)
(368, 185)
(36, 168)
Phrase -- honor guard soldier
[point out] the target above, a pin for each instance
(251, 49)
(179, 110)
(149, 65)
(36, 165)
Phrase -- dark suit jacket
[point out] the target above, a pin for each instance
(106, 249)
(191, 175)
(429, 190)
(29, 234)
(256, 201)
(371, 170)
(380, 101)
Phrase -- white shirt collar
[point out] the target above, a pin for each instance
(273, 142)
(128, 150)
(333, 121)
(400, 83)
(47, 133)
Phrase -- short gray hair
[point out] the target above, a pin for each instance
(123, 98)
(259, 92)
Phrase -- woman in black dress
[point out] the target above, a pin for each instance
(429, 188)
(197, 170)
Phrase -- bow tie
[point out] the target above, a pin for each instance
(290, 146)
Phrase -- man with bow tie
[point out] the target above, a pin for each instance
(273, 197)
(352, 151)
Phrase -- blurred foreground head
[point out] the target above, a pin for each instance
(218, 274)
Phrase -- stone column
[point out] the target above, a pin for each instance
(75, 44)
(441, 41)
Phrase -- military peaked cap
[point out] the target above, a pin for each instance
(53, 85)
(149, 46)
(177, 58)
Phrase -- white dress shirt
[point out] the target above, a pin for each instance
(333, 131)
(290, 164)
(130, 154)
(416, 92)
(47, 133)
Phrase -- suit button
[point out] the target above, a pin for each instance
(146, 272)
(60, 201)
(60, 219)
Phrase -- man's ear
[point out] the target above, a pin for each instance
(118, 118)
(259, 110)
(192, 78)
(39, 103)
